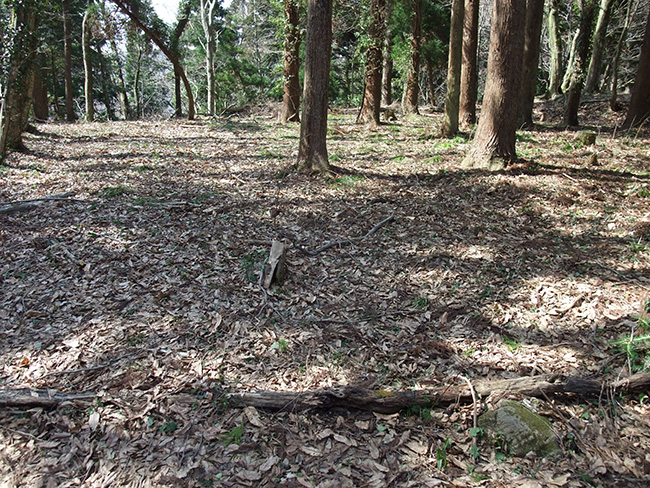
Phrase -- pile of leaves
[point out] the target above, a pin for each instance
(140, 283)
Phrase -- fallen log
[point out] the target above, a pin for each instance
(30, 397)
(26, 205)
(381, 401)
(384, 401)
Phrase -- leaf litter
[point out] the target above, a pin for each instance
(145, 289)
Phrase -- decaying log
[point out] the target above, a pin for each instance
(29, 397)
(25, 205)
(381, 401)
(384, 401)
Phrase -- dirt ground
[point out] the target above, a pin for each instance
(143, 289)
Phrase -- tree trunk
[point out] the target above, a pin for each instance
(469, 71)
(210, 32)
(613, 103)
(106, 82)
(39, 100)
(70, 115)
(88, 66)
(124, 6)
(387, 71)
(432, 85)
(571, 62)
(639, 109)
(555, 46)
(20, 78)
(534, 18)
(494, 144)
(55, 86)
(183, 17)
(136, 85)
(452, 100)
(581, 62)
(593, 74)
(312, 151)
(371, 104)
(413, 79)
(291, 72)
(121, 89)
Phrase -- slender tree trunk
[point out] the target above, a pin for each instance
(534, 19)
(413, 79)
(291, 72)
(593, 74)
(581, 63)
(67, 55)
(106, 83)
(121, 89)
(571, 62)
(555, 46)
(639, 110)
(16, 100)
(55, 86)
(371, 105)
(210, 32)
(469, 71)
(312, 151)
(452, 100)
(613, 102)
(387, 72)
(185, 9)
(136, 85)
(431, 80)
(124, 6)
(39, 100)
(494, 144)
(88, 66)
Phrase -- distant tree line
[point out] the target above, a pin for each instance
(116, 59)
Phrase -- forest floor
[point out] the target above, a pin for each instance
(144, 290)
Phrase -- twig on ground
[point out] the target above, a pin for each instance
(345, 242)
(474, 406)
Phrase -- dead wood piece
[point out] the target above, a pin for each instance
(276, 268)
(384, 401)
(29, 397)
(346, 242)
(25, 205)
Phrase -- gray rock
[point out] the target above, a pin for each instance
(523, 429)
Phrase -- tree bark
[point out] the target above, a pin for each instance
(639, 110)
(387, 71)
(452, 100)
(291, 72)
(184, 11)
(88, 66)
(124, 6)
(55, 85)
(16, 100)
(312, 151)
(207, 10)
(384, 401)
(39, 100)
(583, 44)
(571, 62)
(121, 89)
(136, 85)
(613, 102)
(534, 19)
(469, 71)
(413, 79)
(555, 46)
(371, 103)
(593, 74)
(106, 82)
(494, 144)
(67, 55)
